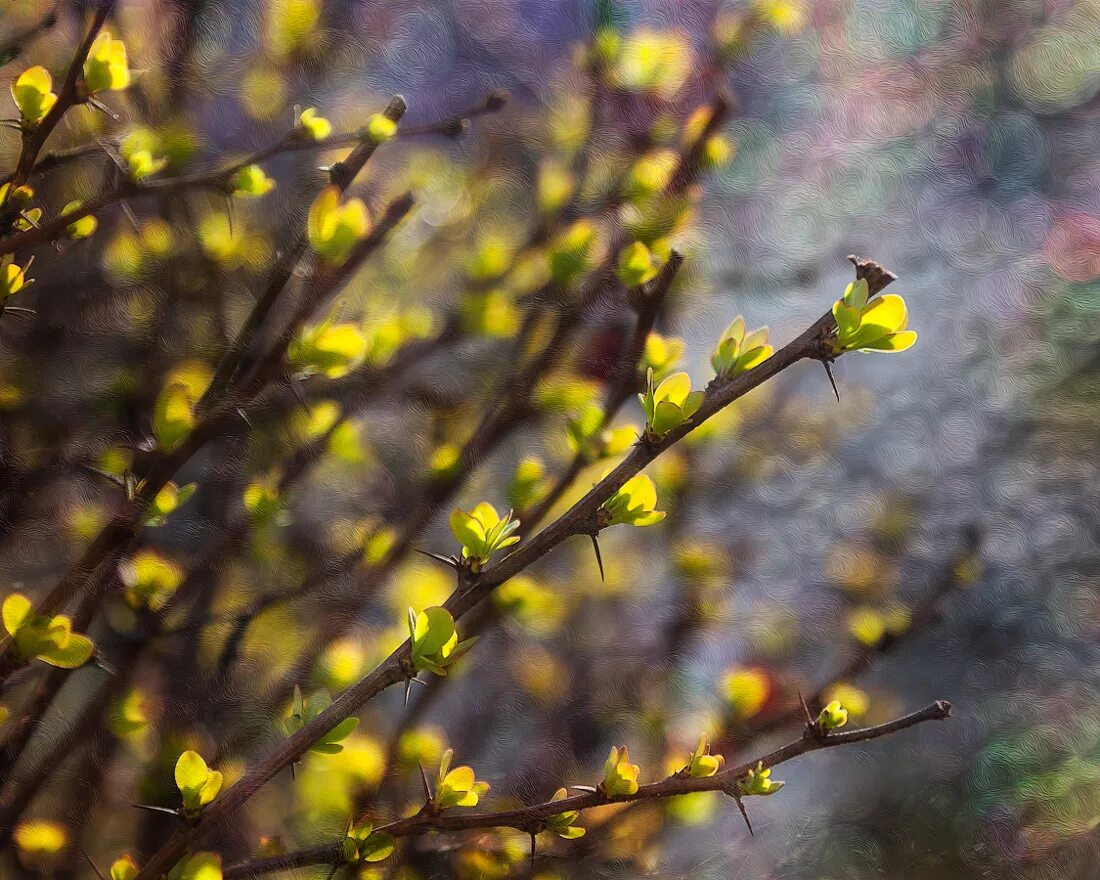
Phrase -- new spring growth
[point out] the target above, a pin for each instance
(561, 824)
(106, 67)
(878, 325)
(335, 227)
(379, 129)
(13, 279)
(457, 787)
(701, 763)
(587, 436)
(124, 868)
(834, 715)
(49, 639)
(81, 228)
(302, 711)
(167, 501)
(140, 151)
(739, 351)
(197, 783)
(434, 640)
(637, 265)
(200, 866)
(634, 503)
(314, 126)
(758, 781)
(571, 251)
(251, 182)
(669, 404)
(482, 532)
(363, 844)
(332, 349)
(33, 94)
(620, 777)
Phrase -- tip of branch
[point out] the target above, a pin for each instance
(396, 108)
(876, 275)
(943, 709)
(495, 100)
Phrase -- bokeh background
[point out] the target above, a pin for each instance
(940, 521)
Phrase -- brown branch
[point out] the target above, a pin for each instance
(579, 519)
(67, 96)
(214, 178)
(532, 819)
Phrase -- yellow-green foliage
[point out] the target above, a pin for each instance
(49, 639)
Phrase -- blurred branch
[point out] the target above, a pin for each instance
(533, 819)
(13, 47)
(218, 178)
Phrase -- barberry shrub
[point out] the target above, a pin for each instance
(309, 393)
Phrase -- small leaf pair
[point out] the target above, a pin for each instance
(150, 580)
(878, 325)
(140, 150)
(634, 503)
(49, 639)
(335, 227)
(379, 129)
(482, 532)
(834, 715)
(456, 787)
(198, 784)
(106, 67)
(637, 265)
(587, 435)
(13, 279)
(33, 94)
(167, 501)
(200, 866)
(758, 781)
(561, 824)
(313, 125)
(620, 777)
(363, 844)
(251, 181)
(434, 640)
(701, 763)
(304, 711)
(331, 349)
(739, 351)
(670, 404)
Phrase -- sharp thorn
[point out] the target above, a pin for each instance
(88, 859)
(744, 814)
(599, 559)
(832, 381)
(449, 561)
(424, 780)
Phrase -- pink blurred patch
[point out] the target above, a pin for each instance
(1073, 246)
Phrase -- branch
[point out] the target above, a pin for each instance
(532, 819)
(214, 178)
(67, 96)
(579, 519)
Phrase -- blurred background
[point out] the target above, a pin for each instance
(931, 535)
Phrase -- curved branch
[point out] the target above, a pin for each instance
(531, 819)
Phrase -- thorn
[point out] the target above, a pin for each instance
(451, 562)
(805, 709)
(130, 215)
(408, 690)
(229, 213)
(293, 773)
(744, 813)
(21, 311)
(103, 108)
(244, 417)
(88, 859)
(149, 808)
(599, 560)
(587, 789)
(427, 785)
(832, 381)
(532, 854)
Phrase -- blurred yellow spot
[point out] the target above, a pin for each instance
(341, 665)
(263, 93)
(852, 698)
(746, 689)
(854, 568)
(40, 837)
(867, 625)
